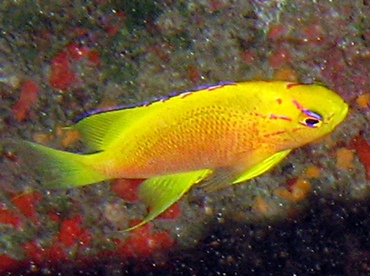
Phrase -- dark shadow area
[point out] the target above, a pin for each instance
(329, 238)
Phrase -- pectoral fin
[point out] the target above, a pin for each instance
(224, 177)
(159, 193)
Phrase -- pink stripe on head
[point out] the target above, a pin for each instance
(292, 84)
(306, 111)
(281, 117)
(298, 105)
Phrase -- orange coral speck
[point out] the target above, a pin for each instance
(106, 103)
(260, 205)
(363, 100)
(286, 74)
(298, 191)
(345, 158)
(70, 137)
(312, 171)
(41, 138)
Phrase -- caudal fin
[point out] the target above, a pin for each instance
(54, 168)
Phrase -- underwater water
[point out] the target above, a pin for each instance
(58, 61)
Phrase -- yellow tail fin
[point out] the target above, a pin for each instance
(55, 168)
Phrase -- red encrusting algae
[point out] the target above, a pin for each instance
(27, 97)
(52, 253)
(279, 58)
(126, 188)
(193, 73)
(9, 217)
(362, 148)
(248, 57)
(112, 23)
(71, 232)
(335, 64)
(93, 57)
(7, 263)
(172, 212)
(61, 75)
(313, 34)
(143, 242)
(77, 51)
(26, 204)
(276, 32)
(33, 251)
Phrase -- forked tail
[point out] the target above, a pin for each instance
(55, 168)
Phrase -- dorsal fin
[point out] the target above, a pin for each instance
(99, 130)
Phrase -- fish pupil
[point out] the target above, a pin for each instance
(311, 122)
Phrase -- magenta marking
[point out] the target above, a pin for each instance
(281, 117)
(298, 105)
(274, 133)
(183, 95)
(219, 85)
(258, 114)
(292, 84)
(306, 111)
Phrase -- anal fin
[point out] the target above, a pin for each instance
(160, 192)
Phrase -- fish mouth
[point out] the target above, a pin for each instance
(343, 111)
(340, 114)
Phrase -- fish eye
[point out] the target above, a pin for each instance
(311, 119)
(311, 122)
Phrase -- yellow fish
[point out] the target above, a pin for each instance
(219, 135)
